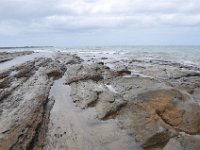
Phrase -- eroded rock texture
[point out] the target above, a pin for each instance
(155, 103)
(5, 56)
(25, 104)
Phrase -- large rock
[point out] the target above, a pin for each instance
(66, 59)
(22, 113)
(84, 93)
(55, 70)
(89, 93)
(143, 125)
(5, 56)
(189, 142)
(24, 106)
(156, 116)
(79, 72)
(173, 144)
(154, 106)
(130, 87)
(184, 142)
(108, 104)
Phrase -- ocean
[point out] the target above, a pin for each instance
(189, 55)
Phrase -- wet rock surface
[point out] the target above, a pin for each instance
(5, 56)
(66, 103)
(183, 143)
(154, 101)
(25, 104)
(79, 72)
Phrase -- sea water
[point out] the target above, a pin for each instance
(181, 54)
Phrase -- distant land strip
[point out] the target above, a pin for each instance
(26, 47)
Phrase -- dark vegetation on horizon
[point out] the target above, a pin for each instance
(26, 47)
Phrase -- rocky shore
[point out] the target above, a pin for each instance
(5, 56)
(65, 102)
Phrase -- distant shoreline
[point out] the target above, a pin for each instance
(27, 47)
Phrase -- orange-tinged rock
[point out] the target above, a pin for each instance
(157, 115)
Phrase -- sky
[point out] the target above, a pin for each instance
(99, 22)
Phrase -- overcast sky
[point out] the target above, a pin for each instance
(99, 22)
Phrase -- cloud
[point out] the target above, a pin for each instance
(19, 17)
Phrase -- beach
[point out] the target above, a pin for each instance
(102, 98)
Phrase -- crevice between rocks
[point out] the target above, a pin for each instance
(38, 140)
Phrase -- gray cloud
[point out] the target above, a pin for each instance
(18, 17)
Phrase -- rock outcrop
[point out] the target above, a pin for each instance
(153, 102)
(156, 116)
(153, 106)
(186, 142)
(5, 56)
(25, 103)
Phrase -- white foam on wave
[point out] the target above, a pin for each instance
(118, 53)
